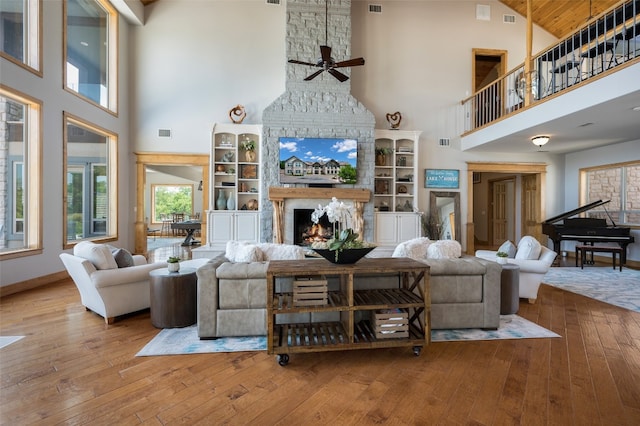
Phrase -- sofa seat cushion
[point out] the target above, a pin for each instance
(242, 294)
(466, 265)
(456, 289)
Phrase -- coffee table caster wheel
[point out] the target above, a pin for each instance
(416, 350)
(283, 359)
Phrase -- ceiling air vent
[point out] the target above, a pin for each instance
(276, 2)
(375, 8)
(164, 133)
(443, 141)
(509, 19)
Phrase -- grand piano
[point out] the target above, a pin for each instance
(586, 230)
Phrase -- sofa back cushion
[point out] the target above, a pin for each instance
(243, 251)
(272, 251)
(98, 254)
(509, 248)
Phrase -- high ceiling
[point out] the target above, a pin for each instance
(559, 17)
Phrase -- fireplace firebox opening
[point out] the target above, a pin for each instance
(305, 232)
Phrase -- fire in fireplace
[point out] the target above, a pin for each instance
(305, 232)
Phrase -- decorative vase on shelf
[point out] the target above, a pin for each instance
(250, 156)
(231, 203)
(381, 160)
(221, 202)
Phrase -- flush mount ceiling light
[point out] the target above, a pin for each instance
(540, 140)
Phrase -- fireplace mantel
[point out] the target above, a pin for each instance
(278, 195)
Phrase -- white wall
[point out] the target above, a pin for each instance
(49, 89)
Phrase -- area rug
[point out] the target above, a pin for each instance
(7, 340)
(619, 288)
(178, 341)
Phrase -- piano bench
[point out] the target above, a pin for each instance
(581, 254)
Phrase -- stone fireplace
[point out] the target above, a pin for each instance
(322, 107)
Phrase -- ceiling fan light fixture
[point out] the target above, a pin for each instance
(540, 140)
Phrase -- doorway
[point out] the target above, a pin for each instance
(488, 65)
(528, 201)
(151, 160)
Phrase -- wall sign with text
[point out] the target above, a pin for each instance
(441, 178)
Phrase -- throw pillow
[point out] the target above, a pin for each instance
(528, 248)
(248, 253)
(281, 251)
(123, 258)
(414, 249)
(509, 248)
(444, 249)
(242, 251)
(98, 254)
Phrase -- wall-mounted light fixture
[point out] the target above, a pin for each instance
(540, 140)
(200, 186)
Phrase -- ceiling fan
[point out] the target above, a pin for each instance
(326, 62)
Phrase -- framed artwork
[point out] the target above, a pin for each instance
(442, 178)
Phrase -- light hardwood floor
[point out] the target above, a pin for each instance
(71, 368)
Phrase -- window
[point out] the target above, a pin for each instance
(20, 32)
(90, 180)
(169, 199)
(20, 174)
(619, 183)
(91, 51)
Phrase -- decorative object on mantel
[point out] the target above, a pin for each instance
(394, 119)
(173, 264)
(344, 247)
(237, 114)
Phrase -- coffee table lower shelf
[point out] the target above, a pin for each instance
(331, 336)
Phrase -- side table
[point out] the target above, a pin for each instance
(509, 289)
(173, 297)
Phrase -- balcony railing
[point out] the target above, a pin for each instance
(606, 42)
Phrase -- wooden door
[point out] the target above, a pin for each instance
(530, 201)
(499, 213)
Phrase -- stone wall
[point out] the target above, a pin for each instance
(322, 107)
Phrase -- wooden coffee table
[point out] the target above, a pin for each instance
(411, 300)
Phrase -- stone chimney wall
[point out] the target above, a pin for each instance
(322, 107)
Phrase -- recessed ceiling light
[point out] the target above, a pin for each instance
(636, 108)
(84, 43)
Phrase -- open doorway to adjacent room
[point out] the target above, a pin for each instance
(156, 171)
(505, 202)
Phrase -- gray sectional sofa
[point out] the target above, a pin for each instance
(465, 293)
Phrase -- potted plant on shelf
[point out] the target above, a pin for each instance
(501, 257)
(381, 155)
(249, 146)
(173, 264)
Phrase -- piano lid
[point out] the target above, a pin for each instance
(576, 211)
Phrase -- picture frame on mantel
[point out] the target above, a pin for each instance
(442, 178)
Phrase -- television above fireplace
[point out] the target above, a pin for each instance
(318, 161)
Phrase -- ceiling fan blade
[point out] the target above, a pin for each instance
(325, 53)
(294, 61)
(350, 63)
(338, 75)
(314, 75)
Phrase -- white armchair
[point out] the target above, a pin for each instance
(533, 259)
(105, 288)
